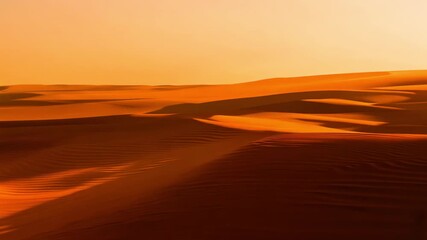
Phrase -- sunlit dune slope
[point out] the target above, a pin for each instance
(388, 97)
(320, 157)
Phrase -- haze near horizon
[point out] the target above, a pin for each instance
(205, 42)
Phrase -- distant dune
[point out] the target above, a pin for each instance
(320, 157)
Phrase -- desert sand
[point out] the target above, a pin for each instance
(321, 157)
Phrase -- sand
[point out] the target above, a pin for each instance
(320, 157)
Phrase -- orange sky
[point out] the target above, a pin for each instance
(205, 41)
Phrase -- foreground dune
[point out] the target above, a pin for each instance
(322, 157)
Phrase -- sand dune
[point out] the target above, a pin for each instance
(281, 186)
(320, 157)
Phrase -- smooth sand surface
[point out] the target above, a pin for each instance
(320, 157)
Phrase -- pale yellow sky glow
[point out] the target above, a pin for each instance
(205, 41)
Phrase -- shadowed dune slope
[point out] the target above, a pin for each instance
(104, 163)
(297, 186)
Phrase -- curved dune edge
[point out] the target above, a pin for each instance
(346, 102)
(351, 118)
(19, 195)
(266, 124)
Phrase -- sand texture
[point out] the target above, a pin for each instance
(309, 158)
